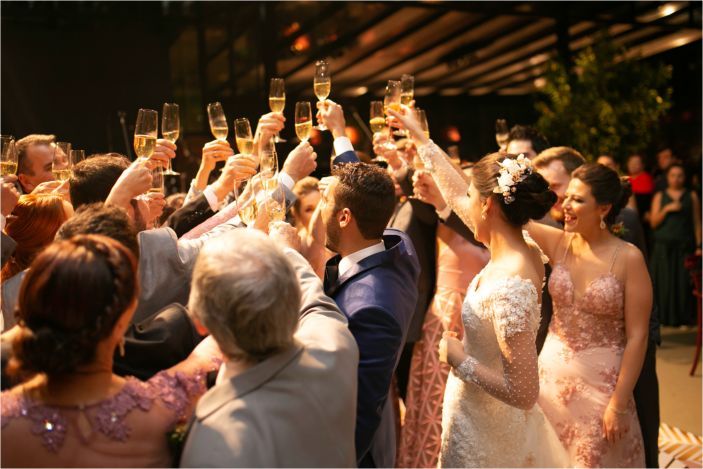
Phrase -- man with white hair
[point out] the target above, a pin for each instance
(286, 393)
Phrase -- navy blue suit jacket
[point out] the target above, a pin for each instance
(346, 157)
(378, 296)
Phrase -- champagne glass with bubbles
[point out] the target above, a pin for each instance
(170, 130)
(322, 84)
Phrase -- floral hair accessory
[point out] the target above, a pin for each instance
(512, 172)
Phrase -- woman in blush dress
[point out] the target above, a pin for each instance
(75, 305)
(602, 297)
(458, 261)
(489, 416)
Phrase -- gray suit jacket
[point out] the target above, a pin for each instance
(295, 409)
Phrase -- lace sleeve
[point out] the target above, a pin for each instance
(515, 313)
(450, 183)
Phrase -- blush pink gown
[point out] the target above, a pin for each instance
(579, 367)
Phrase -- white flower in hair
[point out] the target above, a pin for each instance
(512, 172)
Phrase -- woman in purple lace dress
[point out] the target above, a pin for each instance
(75, 304)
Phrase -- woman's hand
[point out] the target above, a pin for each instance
(615, 424)
(407, 120)
(451, 350)
(427, 191)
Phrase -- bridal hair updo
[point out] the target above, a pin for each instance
(606, 186)
(532, 196)
(70, 300)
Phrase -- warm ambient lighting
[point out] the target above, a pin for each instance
(667, 9)
(453, 134)
(540, 82)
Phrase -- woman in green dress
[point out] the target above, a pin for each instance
(676, 221)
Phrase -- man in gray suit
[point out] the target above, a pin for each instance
(286, 393)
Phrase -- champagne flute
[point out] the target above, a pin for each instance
(407, 89)
(377, 120)
(145, 131)
(218, 121)
(407, 92)
(422, 119)
(170, 130)
(502, 134)
(77, 156)
(61, 162)
(268, 162)
(8, 161)
(242, 133)
(391, 99)
(277, 99)
(303, 120)
(157, 179)
(322, 84)
(275, 202)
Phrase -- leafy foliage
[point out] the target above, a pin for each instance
(608, 104)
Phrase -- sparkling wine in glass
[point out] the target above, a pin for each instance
(422, 119)
(277, 99)
(377, 120)
(8, 161)
(157, 179)
(242, 133)
(145, 132)
(218, 121)
(303, 120)
(391, 100)
(61, 166)
(407, 89)
(322, 84)
(77, 156)
(268, 161)
(502, 134)
(170, 130)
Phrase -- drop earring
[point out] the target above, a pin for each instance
(121, 347)
(602, 224)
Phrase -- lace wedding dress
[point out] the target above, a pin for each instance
(489, 417)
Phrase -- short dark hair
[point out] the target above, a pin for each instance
(368, 192)
(94, 177)
(23, 144)
(606, 187)
(525, 132)
(570, 158)
(71, 300)
(106, 220)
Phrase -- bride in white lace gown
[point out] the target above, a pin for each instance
(489, 417)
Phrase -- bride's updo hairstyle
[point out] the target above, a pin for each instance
(531, 199)
(70, 300)
(606, 186)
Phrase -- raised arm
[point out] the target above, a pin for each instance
(515, 314)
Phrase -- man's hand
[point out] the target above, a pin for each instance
(284, 235)
(156, 202)
(269, 125)
(164, 151)
(386, 149)
(133, 181)
(331, 115)
(300, 162)
(238, 168)
(426, 190)
(9, 196)
(213, 152)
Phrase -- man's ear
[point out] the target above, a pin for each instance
(199, 328)
(344, 217)
(27, 186)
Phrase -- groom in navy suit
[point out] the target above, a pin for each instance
(373, 279)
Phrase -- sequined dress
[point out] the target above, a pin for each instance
(128, 429)
(579, 368)
(489, 418)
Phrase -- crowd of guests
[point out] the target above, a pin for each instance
(143, 330)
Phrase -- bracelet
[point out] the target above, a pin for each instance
(616, 411)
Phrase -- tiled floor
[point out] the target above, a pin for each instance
(680, 394)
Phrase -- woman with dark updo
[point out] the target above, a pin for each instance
(489, 414)
(602, 295)
(74, 307)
